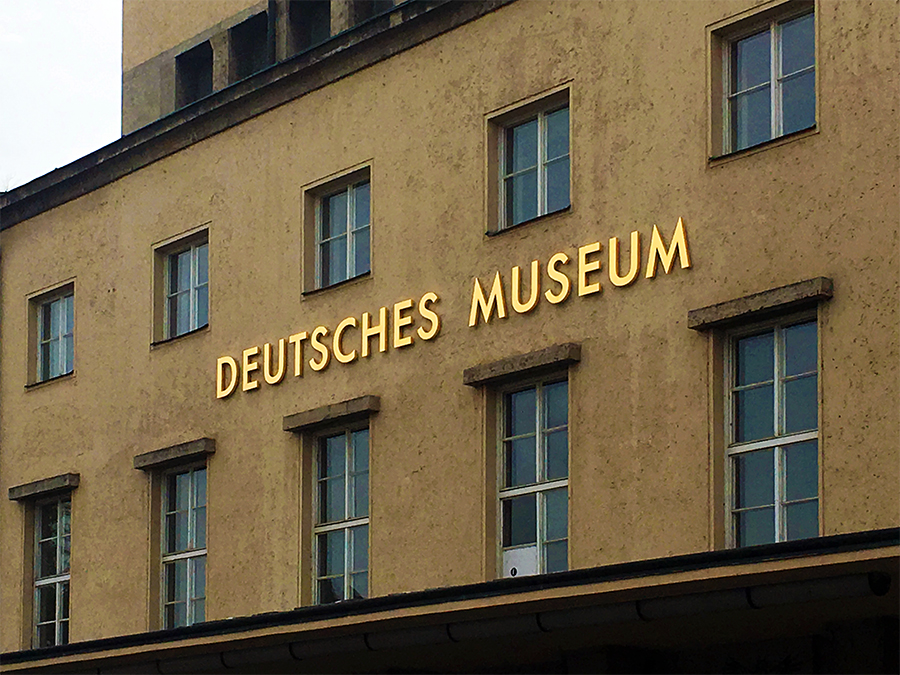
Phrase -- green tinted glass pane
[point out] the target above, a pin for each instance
(519, 520)
(201, 296)
(802, 520)
(334, 221)
(558, 133)
(176, 581)
(755, 527)
(556, 514)
(176, 615)
(331, 590)
(557, 185)
(182, 491)
(47, 558)
(798, 44)
(198, 611)
(521, 468)
(200, 527)
(361, 206)
(49, 520)
(755, 359)
(359, 585)
(46, 602)
(521, 197)
(68, 364)
(334, 260)
(557, 454)
(798, 103)
(754, 413)
(361, 252)
(64, 600)
(751, 61)
(751, 118)
(69, 302)
(65, 516)
(754, 479)
(181, 272)
(332, 460)
(199, 481)
(331, 500)
(520, 412)
(359, 538)
(203, 264)
(64, 633)
(800, 349)
(360, 441)
(46, 635)
(556, 557)
(801, 470)
(521, 146)
(198, 577)
(556, 404)
(331, 553)
(65, 554)
(801, 410)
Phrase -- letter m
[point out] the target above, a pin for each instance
(487, 305)
(658, 252)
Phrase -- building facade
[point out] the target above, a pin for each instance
(487, 336)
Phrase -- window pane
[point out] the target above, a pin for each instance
(520, 412)
(751, 61)
(556, 558)
(64, 600)
(556, 515)
(331, 590)
(802, 469)
(801, 410)
(65, 517)
(802, 520)
(334, 260)
(47, 603)
(557, 455)
(202, 306)
(359, 539)
(69, 356)
(755, 527)
(46, 635)
(176, 581)
(45, 358)
(69, 301)
(199, 486)
(49, 515)
(521, 198)
(800, 349)
(55, 367)
(64, 633)
(202, 264)
(177, 532)
(359, 585)
(558, 185)
(361, 252)
(332, 460)
(521, 468)
(360, 441)
(199, 527)
(556, 404)
(176, 615)
(180, 278)
(331, 500)
(360, 495)
(334, 221)
(798, 102)
(47, 566)
(519, 520)
(179, 314)
(361, 211)
(798, 44)
(198, 576)
(754, 413)
(558, 134)
(198, 611)
(754, 479)
(751, 118)
(56, 314)
(521, 147)
(331, 553)
(65, 554)
(755, 359)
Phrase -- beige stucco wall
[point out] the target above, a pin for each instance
(822, 205)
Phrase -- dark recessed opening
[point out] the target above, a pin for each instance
(366, 9)
(250, 47)
(309, 23)
(193, 74)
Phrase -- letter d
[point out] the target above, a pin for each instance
(226, 390)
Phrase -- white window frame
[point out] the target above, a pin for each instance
(779, 442)
(192, 553)
(542, 486)
(60, 580)
(350, 232)
(192, 291)
(347, 524)
(776, 77)
(65, 335)
(505, 132)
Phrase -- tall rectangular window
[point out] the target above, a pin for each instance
(534, 166)
(534, 492)
(193, 74)
(187, 289)
(342, 516)
(56, 337)
(770, 82)
(184, 547)
(342, 234)
(773, 434)
(53, 537)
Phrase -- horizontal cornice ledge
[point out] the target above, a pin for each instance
(520, 365)
(175, 454)
(335, 413)
(46, 487)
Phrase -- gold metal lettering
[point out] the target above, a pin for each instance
(553, 271)
(534, 288)
(249, 366)
(297, 340)
(487, 305)
(658, 250)
(349, 322)
(369, 331)
(400, 321)
(635, 266)
(585, 268)
(223, 390)
(429, 316)
(315, 340)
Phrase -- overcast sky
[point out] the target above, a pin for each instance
(60, 83)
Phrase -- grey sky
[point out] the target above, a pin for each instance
(60, 82)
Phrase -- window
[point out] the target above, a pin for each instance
(770, 82)
(342, 234)
(773, 439)
(184, 547)
(250, 49)
(53, 538)
(342, 516)
(534, 481)
(56, 335)
(186, 288)
(193, 74)
(534, 165)
(309, 23)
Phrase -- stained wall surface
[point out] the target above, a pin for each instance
(641, 478)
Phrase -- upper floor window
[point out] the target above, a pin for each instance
(53, 536)
(773, 433)
(56, 336)
(770, 87)
(342, 516)
(187, 288)
(534, 492)
(184, 547)
(193, 74)
(343, 234)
